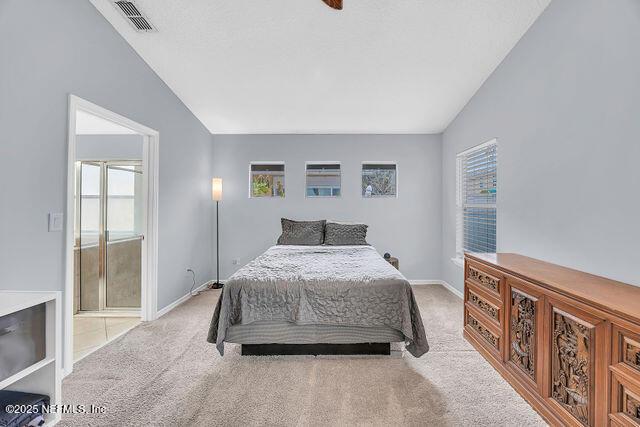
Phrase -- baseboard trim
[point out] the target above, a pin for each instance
(181, 300)
(446, 285)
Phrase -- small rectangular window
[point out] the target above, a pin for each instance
(379, 179)
(323, 179)
(477, 185)
(267, 180)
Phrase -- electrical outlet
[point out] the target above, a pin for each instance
(235, 261)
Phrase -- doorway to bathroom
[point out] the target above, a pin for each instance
(111, 228)
(108, 243)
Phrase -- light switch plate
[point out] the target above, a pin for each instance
(56, 221)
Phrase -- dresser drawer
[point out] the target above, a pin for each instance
(631, 353)
(618, 420)
(631, 405)
(625, 401)
(489, 306)
(625, 354)
(482, 330)
(485, 277)
(629, 350)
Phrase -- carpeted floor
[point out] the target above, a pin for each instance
(165, 374)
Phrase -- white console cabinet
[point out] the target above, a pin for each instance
(43, 376)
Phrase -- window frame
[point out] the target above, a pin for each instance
(267, 162)
(380, 162)
(458, 259)
(315, 162)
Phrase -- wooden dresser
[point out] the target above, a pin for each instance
(567, 341)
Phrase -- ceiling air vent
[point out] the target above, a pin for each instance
(129, 10)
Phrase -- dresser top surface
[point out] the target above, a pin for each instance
(609, 295)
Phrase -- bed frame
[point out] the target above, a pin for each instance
(316, 349)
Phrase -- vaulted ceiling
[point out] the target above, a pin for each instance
(298, 66)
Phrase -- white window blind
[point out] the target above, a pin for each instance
(476, 199)
(379, 179)
(266, 179)
(323, 179)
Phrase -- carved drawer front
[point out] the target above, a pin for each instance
(484, 280)
(490, 310)
(615, 422)
(572, 362)
(631, 405)
(523, 330)
(625, 399)
(487, 336)
(631, 352)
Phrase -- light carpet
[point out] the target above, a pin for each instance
(164, 373)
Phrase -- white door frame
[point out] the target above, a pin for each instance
(150, 166)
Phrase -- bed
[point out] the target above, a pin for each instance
(318, 294)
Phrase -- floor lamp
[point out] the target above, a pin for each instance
(216, 194)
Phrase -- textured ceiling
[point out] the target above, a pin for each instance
(297, 66)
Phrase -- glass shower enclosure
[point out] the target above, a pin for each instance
(108, 236)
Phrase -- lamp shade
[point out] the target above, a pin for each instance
(216, 189)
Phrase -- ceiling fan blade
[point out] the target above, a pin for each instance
(335, 4)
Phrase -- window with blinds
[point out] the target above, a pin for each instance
(477, 184)
(266, 179)
(379, 179)
(323, 179)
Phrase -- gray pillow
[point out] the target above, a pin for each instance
(336, 234)
(301, 232)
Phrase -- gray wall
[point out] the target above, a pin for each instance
(109, 147)
(564, 107)
(68, 47)
(407, 226)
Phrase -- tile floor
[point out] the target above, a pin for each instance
(89, 333)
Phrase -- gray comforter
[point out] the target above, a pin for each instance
(339, 285)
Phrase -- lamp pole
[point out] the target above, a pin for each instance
(216, 194)
(217, 285)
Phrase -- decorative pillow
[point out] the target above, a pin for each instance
(338, 233)
(301, 232)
